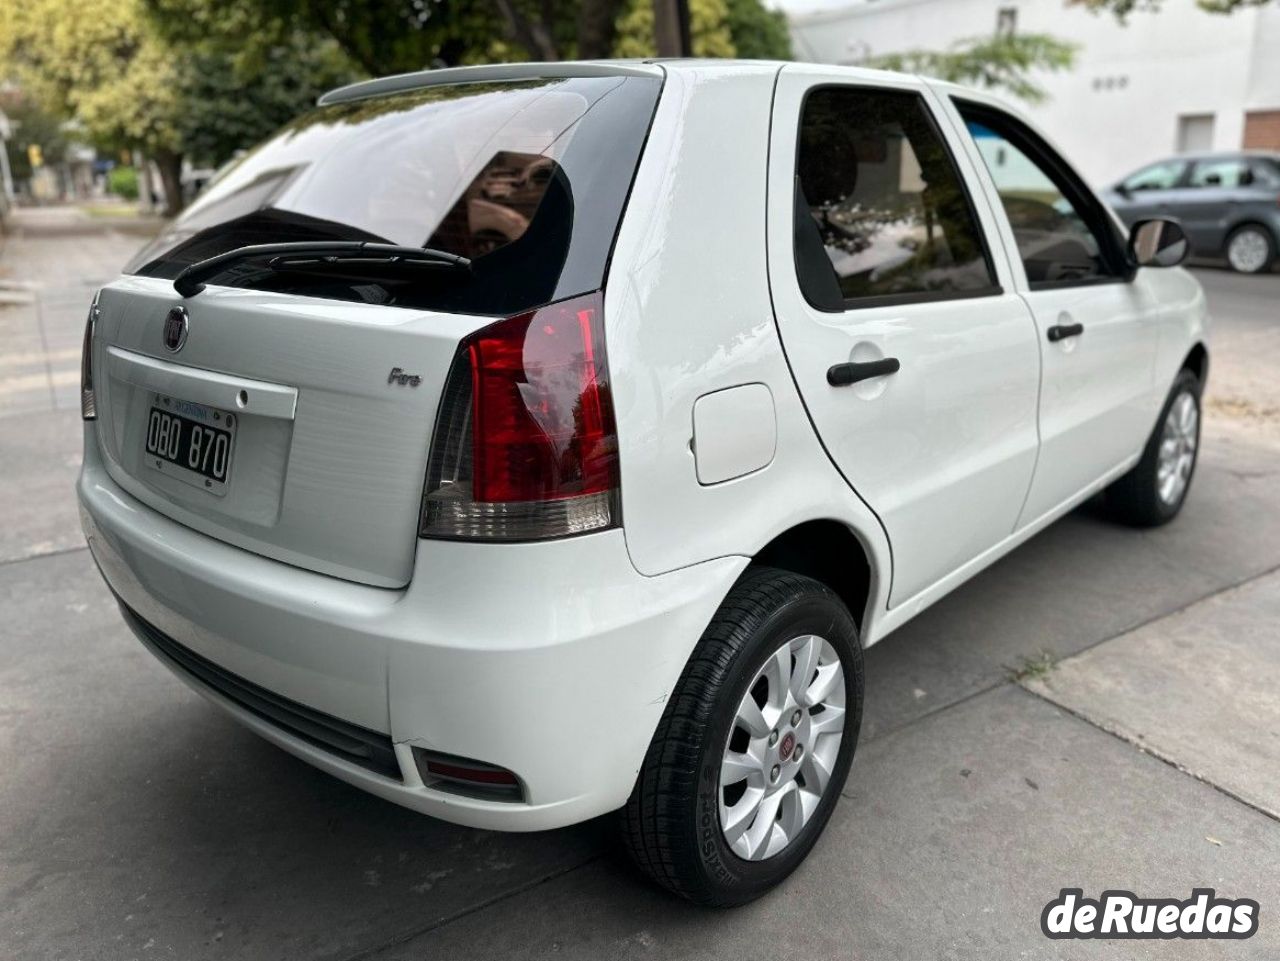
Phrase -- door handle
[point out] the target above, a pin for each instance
(1062, 331)
(842, 375)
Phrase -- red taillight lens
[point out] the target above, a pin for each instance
(526, 445)
(468, 777)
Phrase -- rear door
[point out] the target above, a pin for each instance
(1097, 327)
(917, 362)
(1217, 196)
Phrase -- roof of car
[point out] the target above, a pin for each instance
(652, 67)
(1228, 154)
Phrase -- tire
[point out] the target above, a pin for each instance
(1139, 498)
(671, 825)
(1250, 249)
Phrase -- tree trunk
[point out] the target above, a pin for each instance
(666, 28)
(534, 36)
(170, 166)
(597, 26)
(671, 34)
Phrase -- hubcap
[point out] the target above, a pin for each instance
(1177, 449)
(1247, 251)
(782, 748)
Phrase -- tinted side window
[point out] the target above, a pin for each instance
(879, 196)
(1221, 173)
(1161, 176)
(1059, 240)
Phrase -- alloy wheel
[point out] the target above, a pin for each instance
(1248, 250)
(1178, 441)
(782, 748)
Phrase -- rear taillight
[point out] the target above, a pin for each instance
(525, 445)
(88, 403)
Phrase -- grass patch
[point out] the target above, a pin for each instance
(1034, 667)
(112, 210)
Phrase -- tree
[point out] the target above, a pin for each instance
(32, 126)
(104, 63)
(385, 37)
(1122, 8)
(708, 28)
(1002, 62)
(232, 103)
(97, 61)
(758, 33)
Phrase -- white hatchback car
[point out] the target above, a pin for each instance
(526, 443)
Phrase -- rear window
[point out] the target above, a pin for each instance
(528, 179)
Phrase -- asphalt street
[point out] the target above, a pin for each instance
(1097, 710)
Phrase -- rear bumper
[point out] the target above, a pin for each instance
(551, 660)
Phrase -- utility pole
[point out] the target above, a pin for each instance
(671, 31)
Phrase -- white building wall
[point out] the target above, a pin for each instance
(1118, 107)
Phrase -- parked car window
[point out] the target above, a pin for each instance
(1233, 172)
(880, 196)
(1266, 171)
(1159, 176)
(527, 179)
(1044, 204)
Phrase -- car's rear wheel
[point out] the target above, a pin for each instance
(754, 746)
(1154, 491)
(1251, 249)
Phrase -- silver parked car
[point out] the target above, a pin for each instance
(1228, 203)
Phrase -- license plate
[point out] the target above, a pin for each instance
(191, 442)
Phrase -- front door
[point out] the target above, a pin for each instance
(917, 362)
(1097, 329)
(1148, 192)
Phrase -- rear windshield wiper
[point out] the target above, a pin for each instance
(319, 255)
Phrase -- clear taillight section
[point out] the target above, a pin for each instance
(88, 402)
(526, 445)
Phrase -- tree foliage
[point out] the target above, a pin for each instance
(231, 104)
(758, 33)
(1123, 8)
(1004, 62)
(97, 61)
(708, 29)
(105, 64)
(32, 126)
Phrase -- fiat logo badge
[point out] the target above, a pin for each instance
(176, 325)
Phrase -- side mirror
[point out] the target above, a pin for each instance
(1123, 191)
(1157, 243)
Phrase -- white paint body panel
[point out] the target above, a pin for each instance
(350, 437)
(556, 659)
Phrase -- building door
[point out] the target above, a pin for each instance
(1195, 132)
(1262, 130)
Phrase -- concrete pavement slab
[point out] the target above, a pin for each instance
(40, 460)
(956, 832)
(1081, 581)
(137, 821)
(1198, 688)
